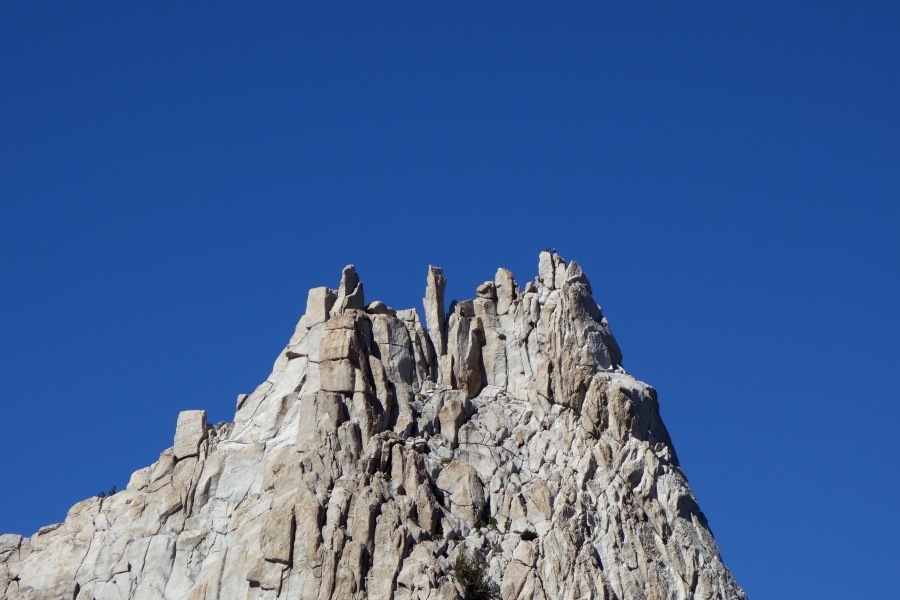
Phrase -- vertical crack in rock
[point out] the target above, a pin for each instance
(378, 451)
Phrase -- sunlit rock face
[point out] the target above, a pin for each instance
(382, 446)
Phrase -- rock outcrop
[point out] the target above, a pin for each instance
(377, 451)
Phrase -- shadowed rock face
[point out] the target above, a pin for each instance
(376, 451)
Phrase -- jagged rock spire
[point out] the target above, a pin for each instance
(349, 292)
(434, 308)
(376, 451)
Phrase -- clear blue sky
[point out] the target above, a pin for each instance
(174, 178)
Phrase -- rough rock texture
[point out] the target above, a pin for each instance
(376, 451)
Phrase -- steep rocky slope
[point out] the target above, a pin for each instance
(377, 451)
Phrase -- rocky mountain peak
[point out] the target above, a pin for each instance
(382, 451)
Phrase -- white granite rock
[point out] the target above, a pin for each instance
(434, 308)
(377, 450)
(463, 491)
(319, 303)
(189, 432)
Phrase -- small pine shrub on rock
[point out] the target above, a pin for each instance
(471, 571)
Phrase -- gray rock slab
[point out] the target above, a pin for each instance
(189, 432)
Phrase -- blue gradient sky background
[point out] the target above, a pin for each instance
(174, 178)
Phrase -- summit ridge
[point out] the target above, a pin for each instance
(381, 450)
